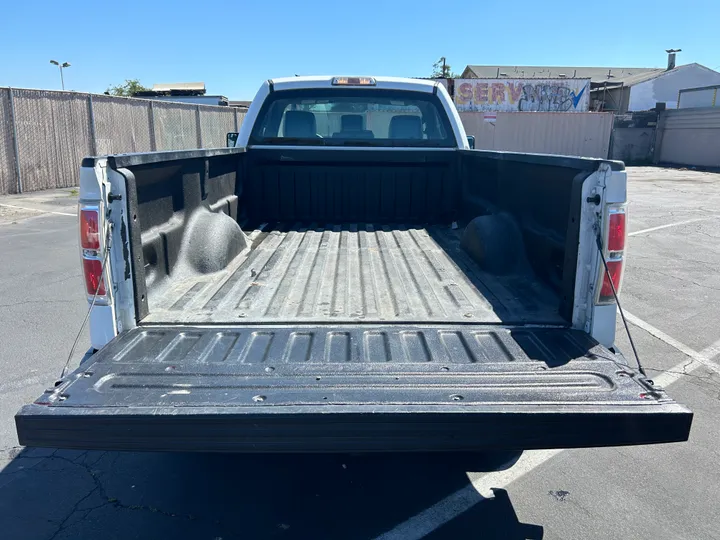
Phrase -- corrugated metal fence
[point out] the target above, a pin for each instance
(584, 134)
(689, 137)
(45, 134)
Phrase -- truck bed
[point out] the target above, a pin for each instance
(351, 273)
(319, 301)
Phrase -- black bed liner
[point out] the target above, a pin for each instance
(355, 273)
(271, 388)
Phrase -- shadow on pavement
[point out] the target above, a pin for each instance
(62, 494)
(493, 519)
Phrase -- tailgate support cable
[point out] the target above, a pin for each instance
(620, 309)
(92, 304)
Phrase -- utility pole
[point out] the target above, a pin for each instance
(61, 66)
(444, 72)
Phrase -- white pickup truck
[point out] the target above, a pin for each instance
(351, 276)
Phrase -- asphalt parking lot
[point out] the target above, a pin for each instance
(671, 293)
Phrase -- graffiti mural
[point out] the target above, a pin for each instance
(512, 95)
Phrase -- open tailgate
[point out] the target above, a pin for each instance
(355, 388)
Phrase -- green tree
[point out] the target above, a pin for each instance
(127, 89)
(442, 70)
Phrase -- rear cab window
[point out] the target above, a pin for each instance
(353, 117)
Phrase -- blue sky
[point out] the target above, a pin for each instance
(234, 47)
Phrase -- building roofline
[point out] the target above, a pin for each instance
(619, 76)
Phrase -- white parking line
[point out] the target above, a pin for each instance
(662, 336)
(667, 225)
(703, 357)
(480, 487)
(37, 210)
(463, 499)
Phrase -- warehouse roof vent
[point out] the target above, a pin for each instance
(671, 57)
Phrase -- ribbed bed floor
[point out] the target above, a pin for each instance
(352, 273)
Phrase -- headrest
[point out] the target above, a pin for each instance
(405, 127)
(300, 124)
(351, 122)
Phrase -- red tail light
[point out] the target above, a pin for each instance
(614, 250)
(89, 229)
(92, 268)
(615, 268)
(616, 232)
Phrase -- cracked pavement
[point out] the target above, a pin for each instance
(670, 491)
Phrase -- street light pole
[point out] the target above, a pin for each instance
(61, 66)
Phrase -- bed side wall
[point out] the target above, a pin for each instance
(543, 194)
(163, 197)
